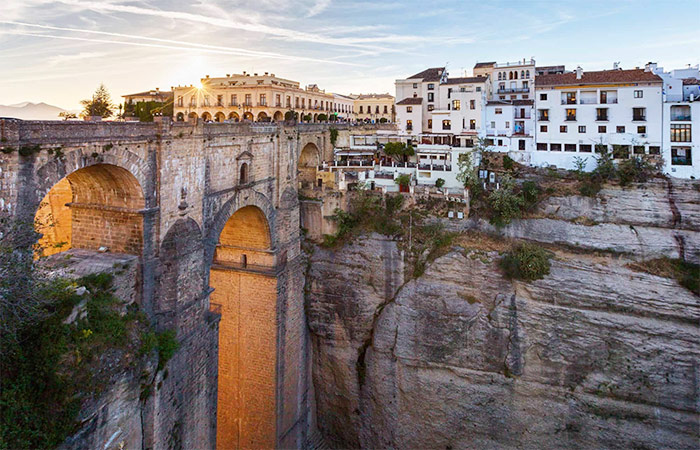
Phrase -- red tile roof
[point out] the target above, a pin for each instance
(599, 77)
(466, 80)
(691, 81)
(484, 64)
(411, 101)
(432, 74)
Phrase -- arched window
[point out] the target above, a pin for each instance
(522, 74)
(527, 74)
(500, 76)
(244, 261)
(510, 75)
(243, 179)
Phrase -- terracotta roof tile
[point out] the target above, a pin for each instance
(602, 76)
(432, 74)
(466, 80)
(691, 81)
(411, 101)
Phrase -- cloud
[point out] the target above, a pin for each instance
(172, 44)
(318, 7)
(63, 59)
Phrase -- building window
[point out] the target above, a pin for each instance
(601, 148)
(639, 114)
(386, 109)
(248, 100)
(456, 105)
(376, 109)
(569, 147)
(569, 98)
(234, 100)
(555, 147)
(581, 129)
(681, 156)
(571, 114)
(219, 100)
(472, 104)
(638, 94)
(543, 97)
(431, 86)
(654, 150)
(521, 144)
(409, 109)
(193, 102)
(500, 77)
(507, 124)
(430, 123)
(499, 111)
(601, 114)
(206, 100)
(543, 128)
(478, 89)
(472, 124)
(638, 149)
(680, 133)
(500, 142)
(263, 100)
(493, 124)
(620, 129)
(562, 128)
(543, 115)
(621, 151)
(415, 85)
(431, 107)
(409, 124)
(585, 148)
(431, 96)
(446, 125)
(602, 129)
(179, 100)
(243, 177)
(642, 129)
(542, 146)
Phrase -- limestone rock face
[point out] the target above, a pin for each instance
(594, 355)
(346, 291)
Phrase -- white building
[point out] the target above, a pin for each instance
(580, 113)
(681, 114)
(416, 97)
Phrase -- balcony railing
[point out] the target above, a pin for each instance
(543, 118)
(512, 90)
(639, 118)
(523, 116)
(569, 101)
(603, 118)
(571, 118)
(353, 163)
(680, 117)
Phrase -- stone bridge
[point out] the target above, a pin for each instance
(212, 213)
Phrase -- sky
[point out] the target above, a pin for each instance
(59, 51)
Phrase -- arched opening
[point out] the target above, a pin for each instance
(245, 292)
(93, 207)
(248, 116)
(206, 117)
(315, 117)
(180, 117)
(263, 117)
(243, 175)
(309, 159)
(220, 117)
(279, 117)
(192, 116)
(234, 116)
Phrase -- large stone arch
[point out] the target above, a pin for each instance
(307, 163)
(180, 274)
(55, 170)
(242, 198)
(243, 275)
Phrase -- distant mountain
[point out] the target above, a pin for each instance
(31, 111)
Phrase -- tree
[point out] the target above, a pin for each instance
(322, 117)
(100, 105)
(439, 183)
(403, 180)
(398, 150)
(65, 115)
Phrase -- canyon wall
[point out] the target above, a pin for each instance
(595, 354)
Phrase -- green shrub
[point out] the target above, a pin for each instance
(508, 163)
(637, 170)
(334, 136)
(590, 186)
(686, 273)
(167, 346)
(439, 183)
(526, 261)
(531, 193)
(403, 180)
(505, 204)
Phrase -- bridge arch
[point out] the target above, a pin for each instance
(244, 281)
(100, 205)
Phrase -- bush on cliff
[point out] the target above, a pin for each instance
(526, 261)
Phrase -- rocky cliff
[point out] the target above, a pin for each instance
(595, 354)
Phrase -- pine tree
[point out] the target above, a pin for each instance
(99, 105)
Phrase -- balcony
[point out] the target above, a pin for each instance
(568, 101)
(542, 118)
(520, 115)
(513, 90)
(680, 118)
(639, 117)
(601, 118)
(571, 118)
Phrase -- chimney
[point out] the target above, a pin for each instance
(579, 72)
(616, 65)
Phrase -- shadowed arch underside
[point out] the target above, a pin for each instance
(245, 292)
(96, 206)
